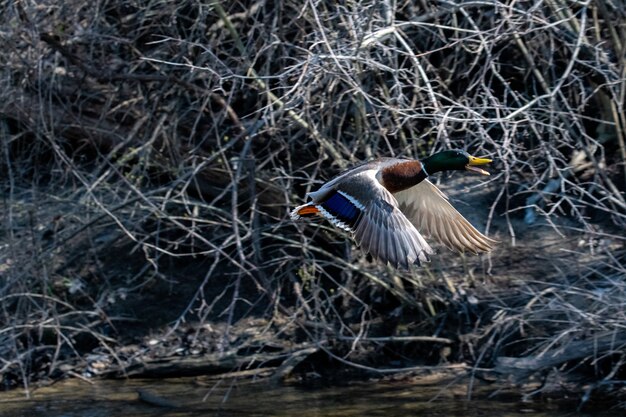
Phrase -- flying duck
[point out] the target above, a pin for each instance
(387, 202)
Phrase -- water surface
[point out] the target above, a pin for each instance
(186, 397)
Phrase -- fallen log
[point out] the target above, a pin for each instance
(219, 363)
(600, 345)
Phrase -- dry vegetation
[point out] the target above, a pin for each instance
(151, 151)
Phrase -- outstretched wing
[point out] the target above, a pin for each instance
(430, 211)
(381, 228)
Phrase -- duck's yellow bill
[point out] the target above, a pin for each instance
(473, 162)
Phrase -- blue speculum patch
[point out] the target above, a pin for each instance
(340, 207)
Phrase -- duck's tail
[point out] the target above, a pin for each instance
(305, 210)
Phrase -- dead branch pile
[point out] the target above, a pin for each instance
(154, 148)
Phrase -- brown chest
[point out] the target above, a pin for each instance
(402, 175)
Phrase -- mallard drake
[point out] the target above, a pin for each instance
(385, 204)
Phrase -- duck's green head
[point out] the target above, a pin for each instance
(454, 160)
